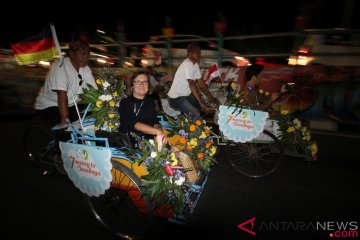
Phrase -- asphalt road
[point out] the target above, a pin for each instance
(285, 204)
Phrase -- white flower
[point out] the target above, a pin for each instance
(151, 141)
(105, 84)
(180, 181)
(107, 97)
(153, 155)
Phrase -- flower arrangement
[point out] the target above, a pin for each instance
(250, 98)
(194, 140)
(167, 181)
(296, 135)
(105, 100)
(165, 184)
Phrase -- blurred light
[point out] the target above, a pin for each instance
(100, 31)
(44, 63)
(129, 64)
(241, 62)
(101, 60)
(104, 61)
(99, 55)
(144, 62)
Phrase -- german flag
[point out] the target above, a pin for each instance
(35, 48)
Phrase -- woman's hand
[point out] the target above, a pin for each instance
(161, 140)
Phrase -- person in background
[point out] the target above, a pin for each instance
(184, 93)
(156, 90)
(137, 111)
(251, 76)
(154, 79)
(64, 81)
(257, 97)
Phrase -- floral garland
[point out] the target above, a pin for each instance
(105, 100)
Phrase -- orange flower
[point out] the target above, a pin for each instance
(198, 122)
(182, 140)
(200, 155)
(208, 144)
(207, 131)
(189, 147)
(192, 128)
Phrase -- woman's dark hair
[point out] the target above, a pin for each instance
(252, 70)
(139, 72)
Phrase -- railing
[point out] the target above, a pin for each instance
(296, 35)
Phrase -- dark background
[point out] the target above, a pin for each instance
(20, 19)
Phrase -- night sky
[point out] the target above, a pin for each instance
(26, 18)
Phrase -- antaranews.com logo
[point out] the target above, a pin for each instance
(332, 229)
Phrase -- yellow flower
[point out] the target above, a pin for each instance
(98, 81)
(237, 95)
(115, 94)
(212, 151)
(111, 115)
(290, 129)
(241, 100)
(203, 135)
(284, 112)
(111, 103)
(193, 142)
(314, 148)
(233, 85)
(267, 93)
(111, 125)
(99, 104)
(306, 138)
(173, 158)
(261, 91)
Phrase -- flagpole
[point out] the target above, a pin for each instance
(57, 45)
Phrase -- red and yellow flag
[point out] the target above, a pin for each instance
(35, 49)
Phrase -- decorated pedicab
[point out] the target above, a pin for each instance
(127, 187)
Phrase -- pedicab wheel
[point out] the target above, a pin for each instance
(255, 158)
(121, 209)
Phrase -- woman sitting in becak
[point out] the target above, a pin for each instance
(138, 111)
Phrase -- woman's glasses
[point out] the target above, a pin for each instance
(137, 82)
(81, 80)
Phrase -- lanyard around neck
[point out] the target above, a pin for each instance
(136, 111)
